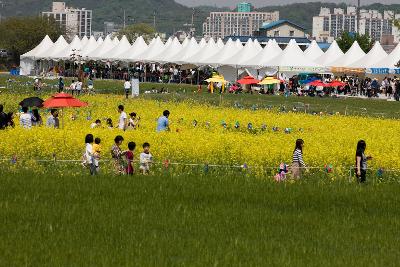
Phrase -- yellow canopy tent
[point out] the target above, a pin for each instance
(217, 79)
(269, 80)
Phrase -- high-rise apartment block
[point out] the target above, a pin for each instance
(73, 21)
(328, 25)
(222, 24)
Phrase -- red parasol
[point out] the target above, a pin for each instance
(318, 83)
(63, 100)
(248, 80)
(336, 83)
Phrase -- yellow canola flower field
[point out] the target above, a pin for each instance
(328, 139)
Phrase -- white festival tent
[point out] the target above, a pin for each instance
(313, 51)
(72, 49)
(91, 45)
(389, 61)
(374, 55)
(203, 54)
(169, 51)
(352, 55)
(202, 43)
(152, 41)
(292, 57)
(44, 45)
(226, 52)
(100, 40)
(333, 53)
(84, 41)
(189, 50)
(138, 47)
(59, 45)
(220, 43)
(238, 43)
(107, 45)
(121, 47)
(115, 41)
(270, 51)
(153, 49)
(185, 42)
(249, 50)
(27, 62)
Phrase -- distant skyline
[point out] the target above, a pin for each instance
(262, 3)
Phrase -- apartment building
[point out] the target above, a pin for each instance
(222, 24)
(328, 26)
(73, 21)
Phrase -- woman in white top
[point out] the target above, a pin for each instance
(298, 163)
(88, 155)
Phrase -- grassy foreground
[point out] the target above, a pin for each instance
(195, 221)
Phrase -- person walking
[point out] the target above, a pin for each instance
(117, 155)
(127, 87)
(60, 85)
(163, 122)
(123, 118)
(88, 155)
(361, 161)
(297, 162)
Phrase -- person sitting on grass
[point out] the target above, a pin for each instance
(129, 158)
(145, 159)
(133, 122)
(25, 118)
(52, 120)
(96, 124)
(109, 123)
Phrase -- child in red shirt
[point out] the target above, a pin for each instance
(129, 158)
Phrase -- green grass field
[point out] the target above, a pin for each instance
(186, 220)
(186, 217)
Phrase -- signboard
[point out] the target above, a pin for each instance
(383, 71)
(135, 87)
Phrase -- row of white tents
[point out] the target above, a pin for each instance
(213, 53)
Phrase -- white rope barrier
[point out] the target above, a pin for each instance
(244, 166)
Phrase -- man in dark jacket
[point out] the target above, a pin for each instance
(3, 118)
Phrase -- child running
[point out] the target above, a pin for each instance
(96, 153)
(129, 158)
(145, 159)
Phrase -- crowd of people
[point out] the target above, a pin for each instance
(28, 118)
(123, 158)
(352, 85)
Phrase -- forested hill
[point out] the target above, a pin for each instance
(170, 16)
